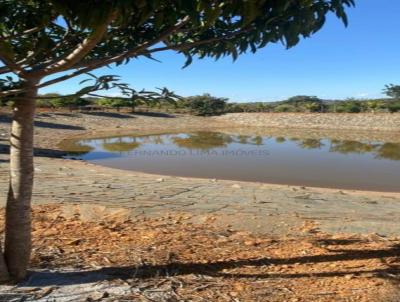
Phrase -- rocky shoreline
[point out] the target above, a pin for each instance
(323, 121)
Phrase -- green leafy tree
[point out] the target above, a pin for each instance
(350, 106)
(68, 102)
(394, 107)
(111, 102)
(44, 100)
(372, 105)
(313, 107)
(304, 103)
(206, 105)
(143, 97)
(47, 42)
(285, 108)
(392, 91)
(233, 107)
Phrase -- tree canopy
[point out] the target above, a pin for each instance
(205, 105)
(41, 38)
(392, 91)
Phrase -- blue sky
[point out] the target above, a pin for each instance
(335, 63)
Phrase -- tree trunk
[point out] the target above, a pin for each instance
(4, 275)
(18, 210)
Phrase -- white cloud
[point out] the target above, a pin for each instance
(362, 94)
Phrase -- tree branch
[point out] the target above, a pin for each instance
(107, 97)
(17, 35)
(11, 92)
(11, 65)
(56, 97)
(103, 62)
(81, 51)
(186, 46)
(4, 69)
(140, 50)
(137, 51)
(130, 53)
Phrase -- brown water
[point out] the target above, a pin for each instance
(347, 164)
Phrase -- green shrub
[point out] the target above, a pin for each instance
(285, 108)
(68, 102)
(394, 107)
(206, 105)
(349, 107)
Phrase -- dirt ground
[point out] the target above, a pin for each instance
(102, 234)
(171, 259)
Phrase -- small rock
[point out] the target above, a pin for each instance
(236, 186)
(160, 179)
(233, 294)
(251, 243)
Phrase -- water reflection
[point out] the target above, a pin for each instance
(211, 140)
(346, 147)
(120, 146)
(206, 141)
(389, 151)
(77, 148)
(203, 140)
(311, 143)
(297, 160)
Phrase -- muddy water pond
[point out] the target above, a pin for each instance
(332, 163)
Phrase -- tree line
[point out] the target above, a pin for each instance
(304, 103)
(206, 104)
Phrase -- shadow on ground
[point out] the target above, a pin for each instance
(41, 124)
(66, 114)
(109, 114)
(129, 115)
(155, 114)
(41, 152)
(57, 126)
(215, 269)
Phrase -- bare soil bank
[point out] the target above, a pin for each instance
(336, 121)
